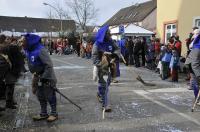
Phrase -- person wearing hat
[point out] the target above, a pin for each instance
(193, 62)
(104, 53)
(44, 79)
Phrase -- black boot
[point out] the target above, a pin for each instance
(107, 108)
(9, 97)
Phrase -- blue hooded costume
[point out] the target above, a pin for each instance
(195, 65)
(196, 43)
(100, 46)
(122, 45)
(193, 61)
(124, 52)
(33, 49)
(38, 58)
(40, 64)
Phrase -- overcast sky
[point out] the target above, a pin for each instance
(35, 8)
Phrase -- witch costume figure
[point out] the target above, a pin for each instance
(104, 53)
(44, 79)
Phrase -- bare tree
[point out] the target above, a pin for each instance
(83, 11)
(60, 10)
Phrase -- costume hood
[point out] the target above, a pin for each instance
(32, 40)
(196, 43)
(101, 34)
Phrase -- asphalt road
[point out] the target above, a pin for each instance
(135, 107)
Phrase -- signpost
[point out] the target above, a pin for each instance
(121, 29)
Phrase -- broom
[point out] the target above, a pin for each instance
(138, 76)
(195, 102)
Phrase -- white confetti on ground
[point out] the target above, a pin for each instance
(177, 100)
(169, 128)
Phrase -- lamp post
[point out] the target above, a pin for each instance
(59, 13)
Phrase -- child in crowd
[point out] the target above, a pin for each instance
(165, 63)
(174, 65)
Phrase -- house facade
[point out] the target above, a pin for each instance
(177, 17)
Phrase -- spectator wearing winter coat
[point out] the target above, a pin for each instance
(178, 45)
(143, 49)
(136, 51)
(89, 50)
(188, 42)
(171, 43)
(59, 46)
(78, 44)
(150, 56)
(157, 47)
(130, 51)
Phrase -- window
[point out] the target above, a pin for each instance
(197, 23)
(170, 30)
(168, 27)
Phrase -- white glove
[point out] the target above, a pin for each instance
(95, 73)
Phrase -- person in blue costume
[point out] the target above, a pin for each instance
(124, 52)
(44, 79)
(105, 51)
(193, 61)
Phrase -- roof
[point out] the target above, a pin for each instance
(131, 29)
(134, 13)
(19, 24)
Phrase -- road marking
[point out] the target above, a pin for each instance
(117, 83)
(68, 67)
(67, 63)
(77, 83)
(142, 93)
(64, 88)
(168, 90)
